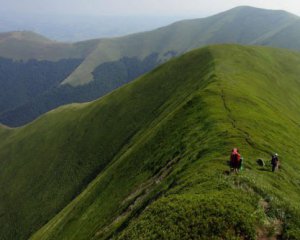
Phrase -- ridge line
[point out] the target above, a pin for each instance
(247, 136)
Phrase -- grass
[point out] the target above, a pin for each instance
(150, 159)
(190, 216)
(258, 128)
(81, 146)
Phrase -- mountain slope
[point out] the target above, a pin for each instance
(279, 37)
(110, 63)
(162, 142)
(24, 45)
(69, 163)
(243, 25)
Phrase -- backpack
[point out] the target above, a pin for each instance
(235, 157)
(241, 167)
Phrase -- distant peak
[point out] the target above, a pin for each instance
(248, 8)
(25, 35)
(245, 7)
(242, 10)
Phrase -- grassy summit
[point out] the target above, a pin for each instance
(148, 161)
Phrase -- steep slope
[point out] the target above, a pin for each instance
(183, 155)
(279, 37)
(243, 25)
(24, 45)
(54, 144)
(148, 160)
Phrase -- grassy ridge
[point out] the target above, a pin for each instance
(176, 165)
(162, 143)
(242, 25)
(46, 163)
(271, 125)
(189, 210)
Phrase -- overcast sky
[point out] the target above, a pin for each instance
(140, 7)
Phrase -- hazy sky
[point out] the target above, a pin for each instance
(140, 7)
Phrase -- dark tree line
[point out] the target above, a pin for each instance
(107, 77)
(22, 82)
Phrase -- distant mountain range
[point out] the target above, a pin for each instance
(243, 25)
(106, 64)
(74, 28)
(29, 45)
(149, 160)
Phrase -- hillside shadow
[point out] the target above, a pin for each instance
(264, 170)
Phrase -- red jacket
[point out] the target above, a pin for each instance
(233, 154)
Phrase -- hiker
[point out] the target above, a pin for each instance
(235, 160)
(275, 162)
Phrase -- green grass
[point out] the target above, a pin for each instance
(80, 147)
(191, 216)
(149, 160)
(258, 127)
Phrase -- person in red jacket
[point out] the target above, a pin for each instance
(235, 160)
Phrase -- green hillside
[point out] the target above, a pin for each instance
(149, 160)
(242, 25)
(279, 37)
(3, 129)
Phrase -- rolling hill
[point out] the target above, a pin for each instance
(25, 45)
(149, 160)
(109, 63)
